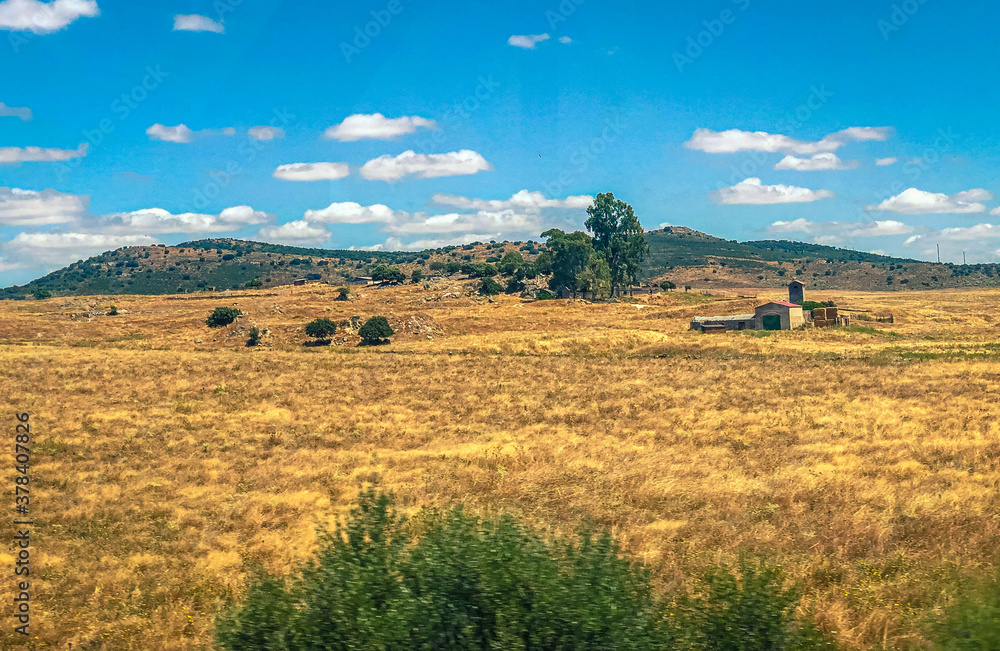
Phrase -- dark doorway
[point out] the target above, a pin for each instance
(772, 321)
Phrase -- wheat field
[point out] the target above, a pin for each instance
(170, 461)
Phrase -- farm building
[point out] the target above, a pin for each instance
(780, 315)
(730, 322)
(361, 280)
(795, 292)
(299, 281)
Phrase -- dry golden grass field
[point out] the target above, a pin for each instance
(169, 461)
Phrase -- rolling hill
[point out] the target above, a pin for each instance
(685, 256)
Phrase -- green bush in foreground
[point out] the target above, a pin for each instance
(971, 622)
(449, 580)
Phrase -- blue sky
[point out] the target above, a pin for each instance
(129, 123)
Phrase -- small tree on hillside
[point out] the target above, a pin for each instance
(619, 238)
(343, 294)
(489, 287)
(387, 273)
(375, 330)
(321, 330)
(667, 285)
(222, 316)
(417, 275)
(42, 294)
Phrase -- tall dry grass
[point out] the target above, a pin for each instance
(165, 471)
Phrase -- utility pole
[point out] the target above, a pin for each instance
(939, 253)
(963, 257)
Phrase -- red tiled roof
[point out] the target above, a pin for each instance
(786, 304)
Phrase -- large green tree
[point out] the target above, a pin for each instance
(619, 238)
(572, 253)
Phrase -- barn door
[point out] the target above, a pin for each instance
(772, 321)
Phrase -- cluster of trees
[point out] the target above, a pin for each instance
(375, 331)
(605, 263)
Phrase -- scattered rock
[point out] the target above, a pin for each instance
(197, 341)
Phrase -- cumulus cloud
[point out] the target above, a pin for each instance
(376, 126)
(182, 134)
(424, 166)
(30, 208)
(266, 133)
(311, 171)
(815, 163)
(735, 140)
(395, 244)
(196, 23)
(752, 192)
(565, 40)
(523, 200)
(157, 220)
(527, 41)
(22, 112)
(349, 212)
(38, 154)
(296, 232)
(918, 202)
(883, 162)
(44, 18)
(48, 249)
(832, 233)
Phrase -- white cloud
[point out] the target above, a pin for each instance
(266, 133)
(970, 233)
(523, 199)
(311, 171)
(376, 126)
(30, 208)
(196, 23)
(995, 211)
(752, 192)
(424, 166)
(817, 162)
(157, 220)
(38, 154)
(44, 18)
(22, 112)
(395, 244)
(182, 134)
(918, 202)
(735, 140)
(565, 40)
(527, 41)
(296, 232)
(832, 232)
(349, 212)
(46, 249)
(882, 162)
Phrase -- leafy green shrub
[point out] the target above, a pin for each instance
(453, 267)
(510, 262)
(417, 275)
(321, 329)
(436, 265)
(113, 310)
(254, 339)
(489, 287)
(222, 316)
(375, 330)
(545, 295)
(450, 580)
(42, 294)
(812, 305)
(971, 621)
(343, 294)
(256, 282)
(667, 285)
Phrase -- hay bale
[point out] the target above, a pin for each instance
(831, 313)
(819, 313)
(820, 323)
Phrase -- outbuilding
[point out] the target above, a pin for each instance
(780, 315)
(728, 322)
